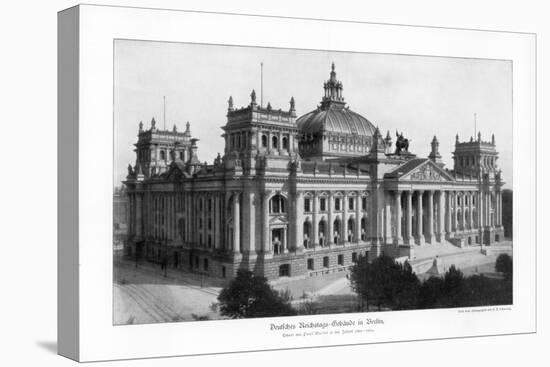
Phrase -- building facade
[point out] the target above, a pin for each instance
(304, 196)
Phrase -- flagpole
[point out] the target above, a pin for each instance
(164, 110)
(475, 125)
(261, 84)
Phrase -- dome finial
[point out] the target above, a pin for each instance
(332, 67)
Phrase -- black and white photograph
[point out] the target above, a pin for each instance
(256, 182)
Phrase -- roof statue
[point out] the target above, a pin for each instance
(230, 103)
(401, 144)
(253, 97)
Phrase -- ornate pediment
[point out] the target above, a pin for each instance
(279, 219)
(427, 172)
(175, 173)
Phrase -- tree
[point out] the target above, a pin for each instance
(431, 291)
(453, 288)
(385, 283)
(248, 295)
(504, 265)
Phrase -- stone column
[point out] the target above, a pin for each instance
(280, 142)
(248, 222)
(499, 209)
(138, 210)
(419, 215)
(168, 216)
(358, 218)
(463, 213)
(189, 219)
(408, 235)
(299, 221)
(398, 216)
(217, 221)
(471, 208)
(441, 229)
(330, 226)
(387, 217)
(344, 235)
(265, 222)
(430, 227)
(236, 223)
(315, 220)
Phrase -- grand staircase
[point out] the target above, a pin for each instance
(437, 258)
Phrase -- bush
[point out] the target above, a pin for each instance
(504, 264)
(248, 295)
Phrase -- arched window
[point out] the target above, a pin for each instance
(364, 229)
(307, 234)
(274, 142)
(264, 141)
(351, 227)
(337, 231)
(337, 205)
(162, 155)
(285, 143)
(277, 204)
(322, 232)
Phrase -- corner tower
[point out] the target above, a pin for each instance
(476, 158)
(156, 149)
(257, 136)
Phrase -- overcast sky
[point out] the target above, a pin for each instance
(421, 96)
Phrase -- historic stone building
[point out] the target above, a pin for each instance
(303, 196)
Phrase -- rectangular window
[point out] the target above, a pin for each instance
(307, 205)
(351, 201)
(323, 204)
(205, 264)
(310, 264)
(364, 203)
(354, 257)
(340, 259)
(326, 262)
(337, 204)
